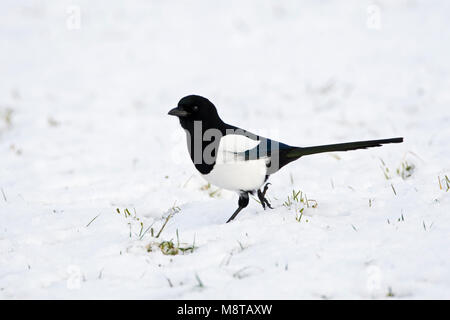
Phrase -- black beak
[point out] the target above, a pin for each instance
(178, 112)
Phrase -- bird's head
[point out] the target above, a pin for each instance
(195, 108)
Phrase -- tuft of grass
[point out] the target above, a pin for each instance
(390, 293)
(127, 215)
(133, 219)
(299, 197)
(167, 247)
(170, 247)
(299, 202)
(405, 170)
(212, 193)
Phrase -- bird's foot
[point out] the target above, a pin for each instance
(262, 197)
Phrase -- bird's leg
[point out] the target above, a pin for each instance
(262, 197)
(243, 202)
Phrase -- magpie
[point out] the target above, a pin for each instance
(235, 159)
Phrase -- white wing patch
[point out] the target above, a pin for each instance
(231, 145)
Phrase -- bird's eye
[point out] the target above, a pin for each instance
(195, 108)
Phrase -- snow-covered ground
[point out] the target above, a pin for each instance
(84, 93)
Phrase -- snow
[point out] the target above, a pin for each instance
(87, 132)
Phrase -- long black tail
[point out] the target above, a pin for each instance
(299, 152)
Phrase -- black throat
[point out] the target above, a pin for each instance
(203, 139)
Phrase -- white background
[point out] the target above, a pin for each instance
(88, 85)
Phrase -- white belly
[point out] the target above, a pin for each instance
(239, 175)
(231, 171)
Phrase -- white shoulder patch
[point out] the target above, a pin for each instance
(232, 146)
(236, 143)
